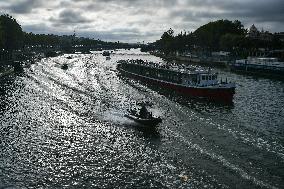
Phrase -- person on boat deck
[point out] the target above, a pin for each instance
(144, 112)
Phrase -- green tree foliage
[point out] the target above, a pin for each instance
(182, 41)
(230, 41)
(219, 35)
(11, 34)
(66, 42)
(43, 40)
(166, 41)
(209, 35)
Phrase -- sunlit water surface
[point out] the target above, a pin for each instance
(66, 129)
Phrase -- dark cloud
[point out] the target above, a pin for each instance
(140, 19)
(132, 3)
(69, 16)
(259, 12)
(261, 9)
(37, 28)
(45, 29)
(127, 35)
(23, 6)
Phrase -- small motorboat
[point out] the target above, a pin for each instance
(153, 121)
(64, 66)
(144, 117)
(106, 53)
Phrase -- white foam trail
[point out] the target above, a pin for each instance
(117, 118)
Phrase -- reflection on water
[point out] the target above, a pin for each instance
(66, 128)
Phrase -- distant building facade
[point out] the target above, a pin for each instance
(280, 35)
(254, 33)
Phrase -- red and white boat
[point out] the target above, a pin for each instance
(189, 81)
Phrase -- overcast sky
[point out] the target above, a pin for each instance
(138, 20)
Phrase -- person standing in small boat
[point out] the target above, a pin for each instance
(144, 112)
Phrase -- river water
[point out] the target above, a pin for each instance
(66, 129)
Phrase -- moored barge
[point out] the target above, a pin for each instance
(257, 65)
(188, 81)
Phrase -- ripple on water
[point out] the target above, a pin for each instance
(62, 129)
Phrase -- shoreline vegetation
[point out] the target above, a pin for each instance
(17, 46)
(223, 44)
(216, 44)
(220, 36)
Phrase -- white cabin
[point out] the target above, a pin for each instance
(208, 79)
(200, 79)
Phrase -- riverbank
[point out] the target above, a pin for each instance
(259, 69)
(204, 61)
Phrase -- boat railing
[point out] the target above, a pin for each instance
(177, 68)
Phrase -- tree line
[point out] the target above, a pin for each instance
(215, 36)
(218, 35)
(12, 37)
(11, 34)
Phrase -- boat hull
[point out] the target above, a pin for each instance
(152, 122)
(217, 94)
(260, 70)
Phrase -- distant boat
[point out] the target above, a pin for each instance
(51, 54)
(188, 81)
(64, 66)
(86, 52)
(108, 58)
(106, 53)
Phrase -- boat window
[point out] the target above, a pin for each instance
(207, 77)
(203, 77)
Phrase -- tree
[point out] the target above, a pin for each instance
(166, 41)
(239, 27)
(11, 34)
(209, 35)
(230, 41)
